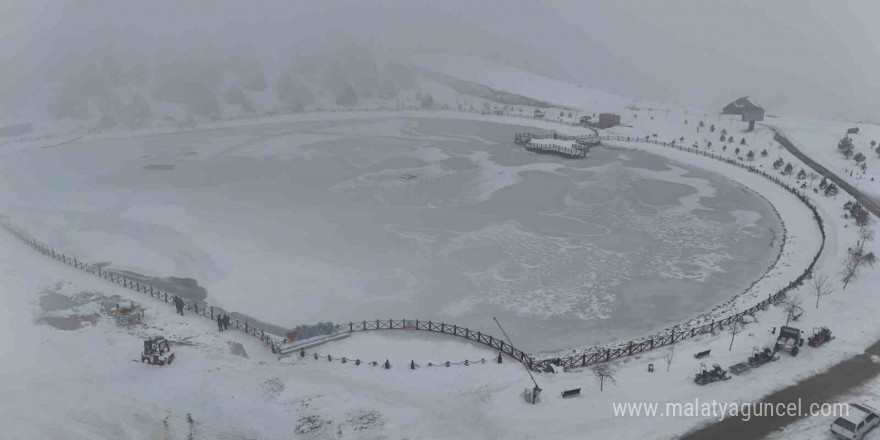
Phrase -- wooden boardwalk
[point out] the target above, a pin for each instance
(547, 143)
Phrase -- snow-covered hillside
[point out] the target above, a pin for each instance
(586, 98)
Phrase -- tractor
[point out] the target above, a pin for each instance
(157, 351)
(706, 376)
(790, 340)
(820, 336)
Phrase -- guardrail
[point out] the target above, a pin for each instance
(204, 310)
(440, 327)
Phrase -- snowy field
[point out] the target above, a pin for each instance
(435, 219)
(307, 398)
(335, 400)
(818, 139)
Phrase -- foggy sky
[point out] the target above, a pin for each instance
(796, 57)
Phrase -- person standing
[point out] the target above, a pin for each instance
(220, 323)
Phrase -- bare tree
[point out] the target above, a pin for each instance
(857, 257)
(866, 234)
(792, 308)
(813, 176)
(668, 357)
(603, 372)
(821, 286)
(734, 328)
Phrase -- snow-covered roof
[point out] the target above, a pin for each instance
(745, 103)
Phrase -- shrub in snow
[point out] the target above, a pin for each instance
(831, 190)
(235, 96)
(845, 146)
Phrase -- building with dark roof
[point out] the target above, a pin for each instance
(740, 106)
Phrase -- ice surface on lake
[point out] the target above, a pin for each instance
(434, 219)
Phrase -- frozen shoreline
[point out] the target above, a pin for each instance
(717, 310)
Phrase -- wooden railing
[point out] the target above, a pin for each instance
(440, 327)
(201, 309)
(584, 359)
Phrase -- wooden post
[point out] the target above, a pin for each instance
(212, 312)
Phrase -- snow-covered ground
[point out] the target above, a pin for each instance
(818, 139)
(56, 371)
(819, 427)
(520, 82)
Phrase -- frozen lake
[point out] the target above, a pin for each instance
(434, 219)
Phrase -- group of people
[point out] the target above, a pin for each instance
(223, 322)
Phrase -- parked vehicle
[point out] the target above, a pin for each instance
(157, 351)
(790, 340)
(820, 336)
(761, 357)
(853, 426)
(707, 376)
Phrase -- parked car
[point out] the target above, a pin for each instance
(853, 426)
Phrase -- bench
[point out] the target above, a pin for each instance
(571, 393)
(702, 354)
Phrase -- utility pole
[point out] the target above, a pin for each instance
(536, 390)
